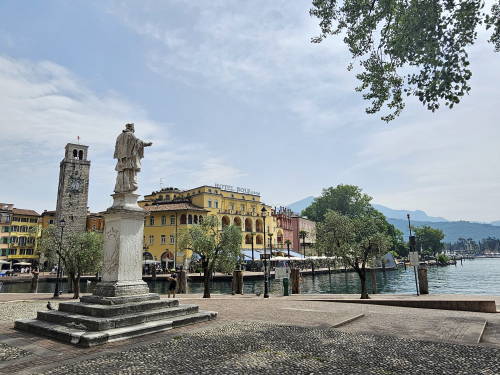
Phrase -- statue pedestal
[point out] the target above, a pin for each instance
(123, 243)
(121, 306)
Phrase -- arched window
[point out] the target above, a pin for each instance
(248, 239)
(279, 238)
(225, 221)
(258, 239)
(258, 225)
(248, 225)
(75, 154)
(237, 221)
(201, 219)
(195, 219)
(190, 219)
(147, 255)
(183, 219)
(80, 155)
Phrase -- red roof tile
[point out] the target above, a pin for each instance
(21, 211)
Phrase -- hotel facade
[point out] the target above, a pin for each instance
(171, 210)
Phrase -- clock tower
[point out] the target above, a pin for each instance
(72, 195)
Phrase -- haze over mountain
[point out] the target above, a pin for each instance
(453, 230)
(388, 212)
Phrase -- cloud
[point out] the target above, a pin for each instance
(216, 170)
(45, 106)
(252, 50)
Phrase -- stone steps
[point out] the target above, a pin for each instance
(86, 338)
(98, 310)
(92, 323)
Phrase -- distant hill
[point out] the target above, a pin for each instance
(452, 230)
(388, 212)
(417, 215)
(298, 206)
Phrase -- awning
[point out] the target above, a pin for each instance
(149, 261)
(4, 262)
(22, 264)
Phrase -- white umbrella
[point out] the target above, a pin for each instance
(4, 262)
(22, 264)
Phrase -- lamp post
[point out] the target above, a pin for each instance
(270, 244)
(266, 279)
(252, 235)
(62, 223)
(303, 235)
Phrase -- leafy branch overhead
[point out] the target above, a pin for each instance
(408, 47)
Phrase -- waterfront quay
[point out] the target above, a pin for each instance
(301, 334)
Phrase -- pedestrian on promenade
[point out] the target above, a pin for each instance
(173, 285)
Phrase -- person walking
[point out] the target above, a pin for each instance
(173, 285)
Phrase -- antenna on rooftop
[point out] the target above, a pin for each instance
(161, 183)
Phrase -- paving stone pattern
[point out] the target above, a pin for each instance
(8, 352)
(267, 348)
(11, 311)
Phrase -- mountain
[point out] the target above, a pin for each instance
(417, 215)
(298, 206)
(388, 212)
(452, 230)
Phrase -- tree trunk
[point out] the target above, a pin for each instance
(362, 279)
(206, 279)
(76, 287)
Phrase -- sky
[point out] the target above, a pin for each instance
(229, 92)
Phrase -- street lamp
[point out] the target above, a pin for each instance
(266, 279)
(270, 243)
(252, 234)
(62, 223)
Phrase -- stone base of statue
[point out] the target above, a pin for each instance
(121, 305)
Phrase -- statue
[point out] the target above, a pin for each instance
(129, 150)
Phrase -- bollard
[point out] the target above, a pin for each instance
(295, 277)
(374, 281)
(422, 280)
(181, 282)
(238, 282)
(285, 287)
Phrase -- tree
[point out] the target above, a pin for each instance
(346, 199)
(81, 253)
(216, 248)
(408, 47)
(429, 239)
(356, 240)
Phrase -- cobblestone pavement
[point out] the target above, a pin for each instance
(11, 311)
(267, 348)
(280, 325)
(8, 352)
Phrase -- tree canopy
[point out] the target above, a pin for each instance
(217, 248)
(356, 240)
(428, 240)
(346, 199)
(408, 47)
(81, 253)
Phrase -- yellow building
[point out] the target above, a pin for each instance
(24, 230)
(172, 209)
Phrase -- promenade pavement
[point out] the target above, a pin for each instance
(275, 335)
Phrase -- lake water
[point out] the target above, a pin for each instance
(477, 276)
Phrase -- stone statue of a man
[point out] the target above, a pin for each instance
(129, 150)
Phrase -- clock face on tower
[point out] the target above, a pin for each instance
(75, 185)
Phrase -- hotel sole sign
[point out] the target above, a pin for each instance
(237, 189)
